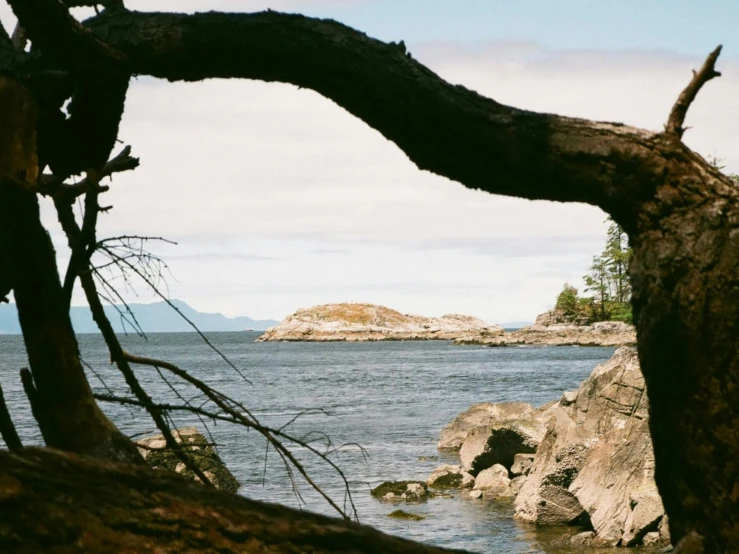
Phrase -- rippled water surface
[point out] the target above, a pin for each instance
(392, 398)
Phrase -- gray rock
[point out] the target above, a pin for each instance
(522, 464)
(494, 482)
(517, 483)
(450, 477)
(646, 513)
(200, 451)
(498, 443)
(453, 435)
(597, 452)
(568, 398)
(651, 539)
(664, 531)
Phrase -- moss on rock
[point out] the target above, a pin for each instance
(401, 491)
(198, 448)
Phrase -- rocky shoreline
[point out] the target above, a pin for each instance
(551, 330)
(370, 322)
(584, 461)
(356, 322)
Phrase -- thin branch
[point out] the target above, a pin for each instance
(153, 286)
(7, 429)
(82, 241)
(680, 109)
(240, 414)
(49, 185)
(79, 240)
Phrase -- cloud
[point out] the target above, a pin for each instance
(281, 199)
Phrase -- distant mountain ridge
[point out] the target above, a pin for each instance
(156, 317)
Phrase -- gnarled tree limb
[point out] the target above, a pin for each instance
(443, 128)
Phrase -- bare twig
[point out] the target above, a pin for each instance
(238, 413)
(153, 286)
(51, 186)
(680, 109)
(7, 429)
(83, 240)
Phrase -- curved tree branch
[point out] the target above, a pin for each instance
(443, 128)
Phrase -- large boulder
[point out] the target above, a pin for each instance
(494, 482)
(453, 435)
(450, 477)
(499, 443)
(596, 458)
(154, 451)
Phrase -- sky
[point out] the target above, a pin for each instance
(279, 200)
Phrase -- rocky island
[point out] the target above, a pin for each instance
(370, 322)
(551, 329)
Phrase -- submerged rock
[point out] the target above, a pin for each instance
(401, 491)
(369, 322)
(400, 514)
(595, 464)
(204, 456)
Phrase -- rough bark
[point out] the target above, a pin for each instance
(685, 276)
(61, 503)
(67, 414)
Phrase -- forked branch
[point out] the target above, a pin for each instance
(680, 109)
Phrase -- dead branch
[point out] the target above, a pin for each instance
(675, 122)
(49, 185)
(82, 242)
(7, 429)
(147, 279)
(238, 413)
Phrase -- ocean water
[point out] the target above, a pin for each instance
(391, 398)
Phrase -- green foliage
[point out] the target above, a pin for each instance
(568, 301)
(607, 281)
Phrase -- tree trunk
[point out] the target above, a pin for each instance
(60, 395)
(61, 503)
(685, 277)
